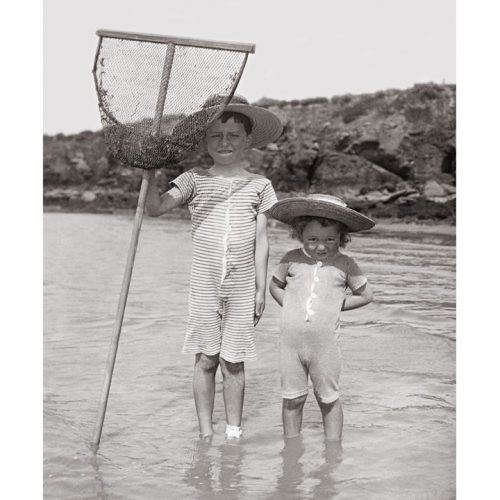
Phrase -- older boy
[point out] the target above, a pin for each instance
(228, 208)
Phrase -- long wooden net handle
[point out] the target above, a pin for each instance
(122, 302)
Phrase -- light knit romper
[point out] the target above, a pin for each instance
(310, 324)
(222, 292)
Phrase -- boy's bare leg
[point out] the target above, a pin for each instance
(205, 368)
(333, 419)
(292, 415)
(233, 385)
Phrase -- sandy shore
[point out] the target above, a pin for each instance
(427, 227)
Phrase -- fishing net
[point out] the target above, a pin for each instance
(157, 95)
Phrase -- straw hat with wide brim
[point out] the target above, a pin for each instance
(266, 126)
(320, 205)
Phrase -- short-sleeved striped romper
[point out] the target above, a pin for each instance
(222, 292)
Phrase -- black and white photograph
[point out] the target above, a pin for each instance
(248, 250)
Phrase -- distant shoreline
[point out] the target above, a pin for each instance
(389, 154)
(399, 226)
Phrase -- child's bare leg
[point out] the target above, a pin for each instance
(205, 368)
(333, 419)
(233, 386)
(292, 415)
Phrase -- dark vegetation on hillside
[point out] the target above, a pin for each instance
(390, 154)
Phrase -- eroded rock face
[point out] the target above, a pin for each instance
(387, 142)
(348, 173)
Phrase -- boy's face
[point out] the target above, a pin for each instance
(226, 142)
(320, 241)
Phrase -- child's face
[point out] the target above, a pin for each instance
(226, 142)
(321, 241)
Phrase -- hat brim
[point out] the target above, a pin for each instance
(266, 126)
(290, 208)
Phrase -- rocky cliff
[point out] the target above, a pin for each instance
(390, 154)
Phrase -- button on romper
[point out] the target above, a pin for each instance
(222, 292)
(310, 324)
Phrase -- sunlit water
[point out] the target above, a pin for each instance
(398, 378)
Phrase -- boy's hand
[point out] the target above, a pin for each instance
(260, 304)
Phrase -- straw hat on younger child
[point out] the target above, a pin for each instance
(321, 205)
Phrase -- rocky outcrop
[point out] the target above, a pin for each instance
(391, 153)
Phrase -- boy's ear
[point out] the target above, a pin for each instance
(249, 139)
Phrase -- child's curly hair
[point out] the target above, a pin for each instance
(298, 224)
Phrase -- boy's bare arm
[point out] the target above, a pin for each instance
(261, 258)
(157, 205)
(277, 293)
(359, 298)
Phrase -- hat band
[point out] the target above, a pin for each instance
(329, 199)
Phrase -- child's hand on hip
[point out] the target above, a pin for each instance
(260, 304)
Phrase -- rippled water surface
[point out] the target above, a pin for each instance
(398, 378)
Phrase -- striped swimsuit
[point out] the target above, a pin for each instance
(222, 294)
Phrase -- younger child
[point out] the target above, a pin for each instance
(310, 284)
(228, 208)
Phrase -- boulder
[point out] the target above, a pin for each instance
(449, 189)
(88, 196)
(79, 163)
(432, 189)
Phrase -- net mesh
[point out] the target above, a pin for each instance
(156, 99)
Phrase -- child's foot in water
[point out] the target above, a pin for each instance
(207, 438)
(233, 432)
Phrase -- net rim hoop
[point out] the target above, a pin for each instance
(191, 42)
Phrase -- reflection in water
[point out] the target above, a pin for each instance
(200, 475)
(99, 481)
(399, 347)
(290, 483)
(326, 487)
(230, 475)
(212, 474)
(292, 475)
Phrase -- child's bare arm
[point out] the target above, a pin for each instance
(359, 298)
(157, 205)
(261, 258)
(277, 293)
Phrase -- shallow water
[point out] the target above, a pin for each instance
(398, 378)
